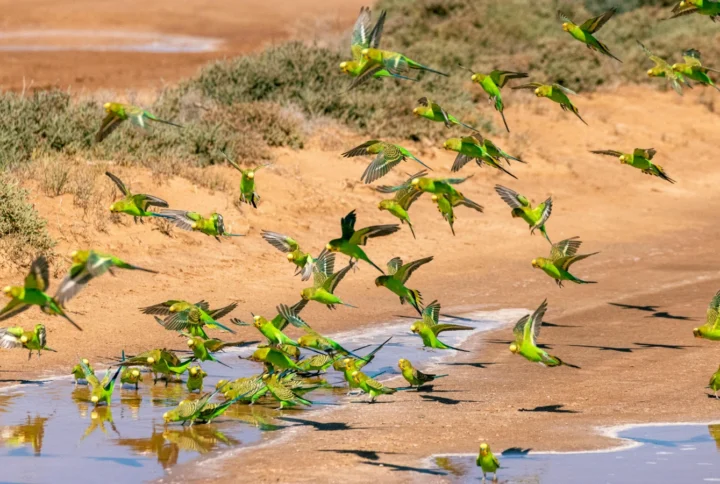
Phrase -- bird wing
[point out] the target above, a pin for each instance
(511, 197)
(460, 161)
(437, 109)
(360, 237)
(594, 24)
(530, 85)
(136, 115)
(405, 185)
(290, 314)
(13, 308)
(180, 320)
(500, 78)
(89, 375)
(283, 243)
(221, 312)
(407, 197)
(565, 248)
(439, 328)
(647, 154)
(385, 161)
(347, 224)
(161, 309)
(374, 384)
(431, 313)
(361, 33)
(519, 329)
(324, 266)
(121, 186)
(659, 62)
(39, 275)
(281, 391)
(713, 309)
(10, 337)
(377, 31)
(536, 322)
(182, 218)
(331, 282)
(563, 89)
(394, 265)
(692, 57)
(405, 271)
(546, 212)
(565, 262)
(108, 125)
(607, 152)
(563, 17)
(361, 150)
(151, 201)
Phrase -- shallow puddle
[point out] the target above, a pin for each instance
(49, 432)
(104, 41)
(685, 453)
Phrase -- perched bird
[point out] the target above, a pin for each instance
(87, 265)
(446, 209)
(213, 225)
(284, 243)
(282, 393)
(100, 391)
(521, 207)
(640, 159)
(562, 255)
(714, 384)
(318, 363)
(387, 155)
(584, 33)
(117, 113)
(135, 205)
(325, 281)
(16, 337)
(526, 331)
(351, 240)
(663, 69)
(429, 109)
(398, 274)
(184, 316)
(492, 84)
(413, 376)
(711, 329)
(473, 148)
(195, 379)
(487, 461)
(248, 193)
(556, 93)
(428, 328)
(399, 205)
(131, 376)
(395, 63)
(710, 8)
(364, 37)
(372, 387)
(32, 293)
(693, 69)
(78, 373)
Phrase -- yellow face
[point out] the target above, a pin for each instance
(94, 399)
(535, 263)
(513, 348)
(265, 376)
(114, 208)
(446, 145)
(414, 328)
(537, 92)
(416, 111)
(86, 361)
(191, 342)
(403, 363)
(483, 449)
(696, 332)
(150, 360)
(344, 66)
(474, 77)
(365, 52)
(106, 106)
(623, 159)
(166, 416)
(434, 198)
(23, 339)
(416, 183)
(251, 175)
(135, 373)
(8, 291)
(290, 256)
(566, 26)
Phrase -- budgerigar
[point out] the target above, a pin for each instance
(100, 391)
(196, 376)
(373, 388)
(184, 316)
(117, 113)
(428, 328)
(136, 205)
(435, 186)
(693, 69)
(387, 156)
(284, 243)
(431, 110)
(351, 240)
(584, 33)
(248, 192)
(399, 206)
(640, 159)
(282, 393)
(536, 217)
(214, 225)
(395, 63)
(325, 281)
(492, 84)
(446, 209)
(473, 148)
(526, 331)
(562, 255)
(714, 384)
(16, 337)
(710, 8)
(78, 373)
(663, 69)
(555, 93)
(415, 377)
(364, 37)
(711, 329)
(398, 274)
(487, 461)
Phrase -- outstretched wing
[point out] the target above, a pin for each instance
(431, 313)
(360, 237)
(405, 271)
(385, 161)
(460, 161)
(530, 85)
(607, 152)
(713, 309)
(536, 322)
(347, 224)
(594, 24)
(10, 337)
(565, 262)
(546, 212)
(407, 197)
(108, 125)
(692, 57)
(511, 197)
(283, 243)
(647, 154)
(361, 33)
(324, 266)
(361, 150)
(440, 328)
(564, 89)
(500, 78)
(222, 312)
(377, 31)
(519, 329)
(565, 248)
(183, 219)
(39, 275)
(290, 315)
(151, 201)
(394, 265)
(331, 283)
(121, 186)
(563, 17)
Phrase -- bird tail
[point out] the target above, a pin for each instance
(415, 65)
(575, 111)
(604, 49)
(412, 230)
(580, 281)
(367, 259)
(60, 311)
(503, 116)
(142, 269)
(158, 120)
(466, 126)
(447, 346)
(349, 305)
(416, 300)
(544, 232)
(368, 358)
(435, 377)
(661, 174)
(502, 168)
(162, 215)
(564, 363)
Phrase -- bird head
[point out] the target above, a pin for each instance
(651, 73)
(403, 363)
(94, 399)
(474, 78)
(74, 254)
(290, 256)
(346, 362)
(379, 281)
(624, 159)
(170, 416)
(365, 52)
(266, 376)
(150, 360)
(414, 328)
(86, 361)
(251, 174)
(538, 92)
(344, 66)
(94, 415)
(416, 111)
(23, 339)
(384, 204)
(305, 293)
(115, 207)
(484, 449)
(697, 333)
(193, 225)
(191, 342)
(535, 263)
(513, 348)
(566, 26)
(330, 246)
(515, 213)
(8, 291)
(416, 184)
(193, 371)
(135, 373)
(304, 341)
(107, 107)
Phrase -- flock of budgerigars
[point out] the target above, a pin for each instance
(287, 373)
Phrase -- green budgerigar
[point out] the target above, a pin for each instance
(387, 156)
(415, 377)
(17, 337)
(473, 148)
(487, 461)
(364, 37)
(283, 393)
(429, 328)
(562, 255)
(131, 376)
(711, 329)
(274, 335)
(373, 388)
(160, 361)
(196, 376)
(116, 113)
(395, 63)
(325, 281)
(32, 293)
(214, 225)
(313, 339)
(100, 391)
(136, 205)
(584, 33)
(248, 192)
(275, 357)
(78, 373)
(492, 84)
(399, 205)
(526, 331)
(555, 93)
(714, 384)
(199, 410)
(446, 209)
(435, 186)
(351, 240)
(663, 69)
(431, 110)
(640, 159)
(286, 244)
(398, 274)
(710, 8)
(536, 217)
(693, 69)
(184, 316)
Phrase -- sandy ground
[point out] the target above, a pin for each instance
(241, 25)
(657, 244)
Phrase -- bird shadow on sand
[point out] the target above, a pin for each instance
(650, 346)
(21, 381)
(364, 454)
(320, 426)
(710, 395)
(606, 348)
(655, 310)
(556, 325)
(445, 400)
(468, 363)
(548, 409)
(399, 468)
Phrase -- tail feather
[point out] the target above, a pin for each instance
(412, 230)
(575, 111)
(161, 215)
(447, 346)
(503, 118)
(604, 50)
(429, 69)
(567, 364)
(167, 122)
(467, 126)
